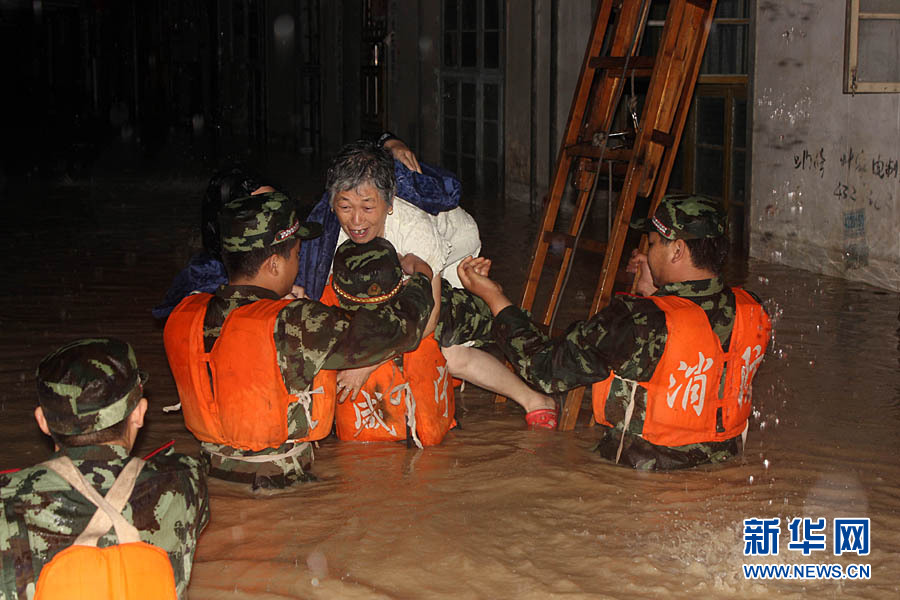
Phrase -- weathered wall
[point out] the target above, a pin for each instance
(825, 164)
(545, 43)
(414, 86)
(527, 99)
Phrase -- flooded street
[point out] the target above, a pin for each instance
(495, 511)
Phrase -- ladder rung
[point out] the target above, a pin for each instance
(569, 240)
(635, 63)
(591, 151)
(663, 138)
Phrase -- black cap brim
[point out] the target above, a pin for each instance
(642, 224)
(308, 230)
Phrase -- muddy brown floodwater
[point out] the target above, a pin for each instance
(495, 511)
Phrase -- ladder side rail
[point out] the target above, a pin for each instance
(603, 292)
(691, 38)
(563, 162)
(671, 86)
(629, 29)
(665, 172)
(605, 102)
(664, 69)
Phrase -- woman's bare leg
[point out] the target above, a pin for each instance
(484, 370)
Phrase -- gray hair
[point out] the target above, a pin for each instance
(359, 163)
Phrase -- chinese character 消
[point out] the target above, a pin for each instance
(695, 386)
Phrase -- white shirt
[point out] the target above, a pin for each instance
(441, 240)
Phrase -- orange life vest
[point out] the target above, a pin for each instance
(683, 392)
(418, 393)
(248, 409)
(130, 570)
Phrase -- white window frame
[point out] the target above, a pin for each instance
(851, 52)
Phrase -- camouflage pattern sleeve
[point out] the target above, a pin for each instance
(191, 513)
(9, 535)
(310, 336)
(464, 318)
(393, 328)
(585, 354)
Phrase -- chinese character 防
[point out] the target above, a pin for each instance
(748, 369)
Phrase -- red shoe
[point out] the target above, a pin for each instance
(543, 418)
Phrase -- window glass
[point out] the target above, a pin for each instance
(711, 120)
(879, 49)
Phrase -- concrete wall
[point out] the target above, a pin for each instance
(824, 164)
(545, 43)
(527, 92)
(414, 87)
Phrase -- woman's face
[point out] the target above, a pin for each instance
(361, 212)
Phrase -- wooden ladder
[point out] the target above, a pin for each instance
(610, 60)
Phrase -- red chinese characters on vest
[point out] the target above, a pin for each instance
(235, 395)
(683, 393)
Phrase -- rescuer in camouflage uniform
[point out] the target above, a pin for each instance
(364, 273)
(628, 336)
(308, 335)
(91, 403)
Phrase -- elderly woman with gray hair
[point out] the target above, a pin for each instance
(362, 202)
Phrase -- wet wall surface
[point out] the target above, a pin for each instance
(825, 177)
(495, 511)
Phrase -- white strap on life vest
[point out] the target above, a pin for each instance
(306, 400)
(629, 412)
(109, 509)
(410, 411)
(263, 458)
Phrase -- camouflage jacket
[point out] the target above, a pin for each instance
(627, 337)
(40, 514)
(310, 336)
(463, 318)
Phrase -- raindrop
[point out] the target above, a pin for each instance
(766, 463)
(750, 480)
(317, 563)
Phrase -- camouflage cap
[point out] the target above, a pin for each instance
(366, 274)
(685, 217)
(260, 221)
(89, 385)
